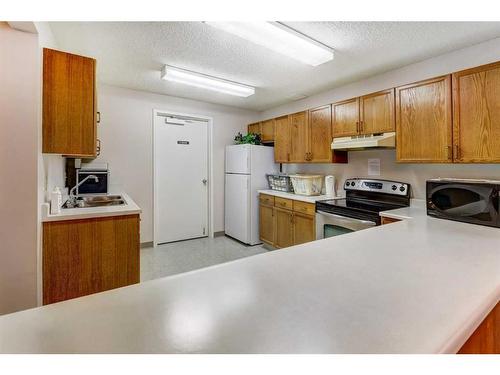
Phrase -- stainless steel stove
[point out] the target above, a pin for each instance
(365, 199)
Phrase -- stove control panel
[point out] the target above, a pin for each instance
(380, 186)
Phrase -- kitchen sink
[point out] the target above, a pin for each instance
(95, 201)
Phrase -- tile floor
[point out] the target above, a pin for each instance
(183, 256)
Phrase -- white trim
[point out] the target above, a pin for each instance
(209, 121)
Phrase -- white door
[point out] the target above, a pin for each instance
(238, 159)
(181, 178)
(237, 207)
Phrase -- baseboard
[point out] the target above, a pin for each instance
(219, 234)
(146, 244)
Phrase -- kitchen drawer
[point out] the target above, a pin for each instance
(304, 207)
(283, 203)
(268, 200)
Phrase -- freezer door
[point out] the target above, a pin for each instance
(238, 159)
(237, 207)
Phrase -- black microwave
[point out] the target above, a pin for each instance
(469, 201)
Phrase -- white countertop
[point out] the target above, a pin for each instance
(416, 286)
(129, 208)
(297, 197)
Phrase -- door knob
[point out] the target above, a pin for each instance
(204, 181)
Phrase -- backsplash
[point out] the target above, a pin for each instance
(414, 174)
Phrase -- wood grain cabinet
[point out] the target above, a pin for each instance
(282, 139)
(254, 128)
(299, 137)
(423, 121)
(267, 131)
(285, 222)
(82, 257)
(68, 104)
(377, 113)
(320, 137)
(476, 115)
(345, 118)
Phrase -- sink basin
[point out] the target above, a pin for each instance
(96, 201)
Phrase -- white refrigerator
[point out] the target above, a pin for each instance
(246, 169)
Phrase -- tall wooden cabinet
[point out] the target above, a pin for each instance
(282, 139)
(68, 104)
(423, 121)
(476, 114)
(320, 137)
(299, 137)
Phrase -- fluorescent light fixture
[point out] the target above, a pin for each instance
(279, 38)
(173, 74)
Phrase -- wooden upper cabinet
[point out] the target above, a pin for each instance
(281, 139)
(267, 130)
(345, 118)
(254, 128)
(377, 112)
(69, 104)
(320, 131)
(476, 116)
(299, 137)
(423, 121)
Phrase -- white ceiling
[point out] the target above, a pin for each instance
(131, 54)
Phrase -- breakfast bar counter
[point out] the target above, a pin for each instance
(421, 285)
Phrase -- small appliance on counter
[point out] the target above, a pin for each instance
(466, 200)
(330, 186)
(91, 186)
(365, 199)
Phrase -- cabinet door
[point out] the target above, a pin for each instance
(299, 137)
(423, 121)
(282, 140)
(304, 228)
(320, 131)
(266, 224)
(345, 118)
(255, 128)
(476, 120)
(82, 257)
(68, 108)
(267, 130)
(284, 228)
(377, 113)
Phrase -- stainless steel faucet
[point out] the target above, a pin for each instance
(72, 196)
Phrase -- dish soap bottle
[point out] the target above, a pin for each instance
(55, 201)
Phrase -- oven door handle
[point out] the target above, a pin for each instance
(365, 222)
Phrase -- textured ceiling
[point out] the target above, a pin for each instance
(131, 54)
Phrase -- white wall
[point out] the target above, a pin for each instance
(19, 132)
(416, 174)
(127, 140)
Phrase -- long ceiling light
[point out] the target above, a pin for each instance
(279, 38)
(173, 74)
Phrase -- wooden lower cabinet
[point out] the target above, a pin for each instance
(388, 220)
(286, 222)
(266, 224)
(304, 228)
(486, 338)
(283, 228)
(86, 256)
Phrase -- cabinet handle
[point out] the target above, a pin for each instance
(288, 156)
(98, 117)
(357, 126)
(98, 147)
(450, 153)
(457, 151)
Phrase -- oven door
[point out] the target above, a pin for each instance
(330, 225)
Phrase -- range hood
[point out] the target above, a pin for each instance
(362, 142)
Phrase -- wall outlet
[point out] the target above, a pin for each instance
(373, 167)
